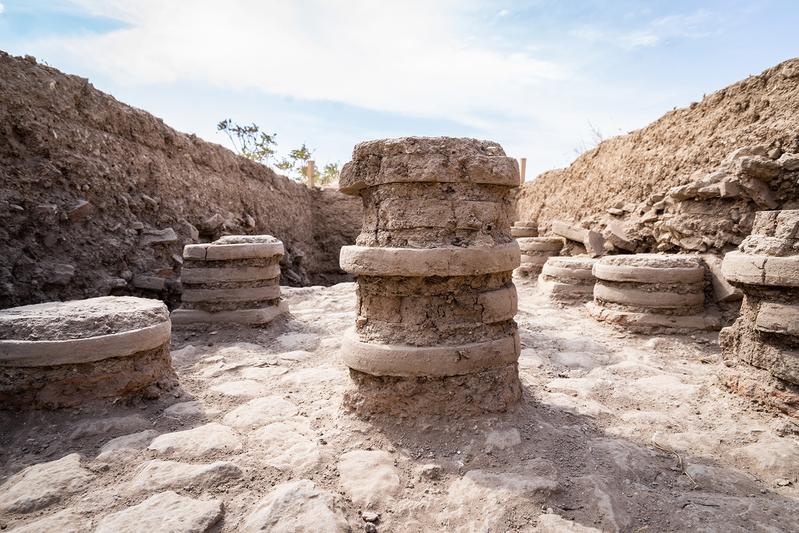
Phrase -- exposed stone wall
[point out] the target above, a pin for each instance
(97, 197)
(692, 180)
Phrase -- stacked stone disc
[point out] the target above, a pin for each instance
(524, 229)
(568, 279)
(646, 292)
(433, 262)
(62, 354)
(234, 279)
(535, 252)
(761, 349)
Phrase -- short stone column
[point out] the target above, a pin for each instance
(524, 229)
(568, 279)
(65, 354)
(652, 292)
(535, 252)
(234, 279)
(761, 349)
(433, 262)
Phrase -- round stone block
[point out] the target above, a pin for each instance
(439, 361)
(59, 354)
(650, 268)
(415, 262)
(768, 270)
(427, 160)
(540, 244)
(567, 279)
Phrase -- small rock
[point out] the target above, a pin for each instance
(370, 528)
(782, 482)
(431, 471)
(246, 388)
(166, 511)
(152, 237)
(149, 283)
(80, 211)
(370, 516)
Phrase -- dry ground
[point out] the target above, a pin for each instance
(617, 432)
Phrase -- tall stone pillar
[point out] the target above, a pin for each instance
(761, 349)
(433, 261)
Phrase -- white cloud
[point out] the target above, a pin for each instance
(2, 9)
(406, 57)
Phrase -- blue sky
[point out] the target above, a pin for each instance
(535, 76)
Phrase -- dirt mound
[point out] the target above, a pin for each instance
(97, 197)
(626, 186)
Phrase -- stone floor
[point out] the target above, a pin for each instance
(617, 432)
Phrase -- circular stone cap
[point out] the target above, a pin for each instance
(427, 159)
(81, 331)
(650, 268)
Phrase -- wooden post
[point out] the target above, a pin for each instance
(522, 167)
(309, 173)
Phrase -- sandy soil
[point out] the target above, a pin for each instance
(616, 431)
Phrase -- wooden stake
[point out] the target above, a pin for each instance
(309, 173)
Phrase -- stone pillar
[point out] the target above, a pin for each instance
(761, 349)
(568, 280)
(64, 354)
(434, 262)
(234, 279)
(535, 252)
(651, 292)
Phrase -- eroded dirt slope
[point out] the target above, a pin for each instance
(625, 180)
(98, 197)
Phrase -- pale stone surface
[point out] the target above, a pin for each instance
(244, 388)
(111, 425)
(198, 442)
(244, 294)
(288, 445)
(368, 476)
(260, 412)
(166, 511)
(44, 484)
(191, 274)
(189, 410)
(217, 251)
(553, 523)
(158, 475)
(126, 444)
(298, 342)
(650, 299)
(66, 521)
(486, 496)
(503, 439)
(296, 506)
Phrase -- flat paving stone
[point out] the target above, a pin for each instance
(168, 512)
(44, 484)
(294, 507)
(368, 476)
(260, 412)
(288, 445)
(197, 442)
(157, 475)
